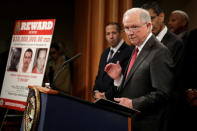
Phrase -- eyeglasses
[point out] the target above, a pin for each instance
(133, 28)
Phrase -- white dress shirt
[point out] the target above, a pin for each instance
(162, 34)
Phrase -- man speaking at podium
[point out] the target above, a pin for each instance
(147, 82)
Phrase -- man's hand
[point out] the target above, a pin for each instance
(192, 96)
(99, 95)
(113, 70)
(125, 102)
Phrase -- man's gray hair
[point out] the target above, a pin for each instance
(144, 14)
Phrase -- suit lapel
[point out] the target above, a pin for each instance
(117, 54)
(165, 38)
(140, 58)
(115, 57)
(104, 62)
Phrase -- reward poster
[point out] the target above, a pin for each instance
(26, 61)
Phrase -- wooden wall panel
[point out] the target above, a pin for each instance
(82, 45)
(89, 39)
(96, 34)
(124, 5)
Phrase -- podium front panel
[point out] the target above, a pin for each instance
(58, 113)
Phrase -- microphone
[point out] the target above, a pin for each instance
(62, 68)
(71, 59)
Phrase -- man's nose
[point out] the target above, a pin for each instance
(169, 23)
(111, 36)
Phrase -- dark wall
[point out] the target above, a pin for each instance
(63, 12)
(189, 6)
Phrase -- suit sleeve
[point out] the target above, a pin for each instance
(96, 87)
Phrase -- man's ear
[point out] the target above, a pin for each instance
(149, 24)
(183, 23)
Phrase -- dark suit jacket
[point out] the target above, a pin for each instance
(175, 45)
(190, 61)
(103, 82)
(184, 36)
(149, 84)
(190, 71)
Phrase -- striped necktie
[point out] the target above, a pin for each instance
(110, 55)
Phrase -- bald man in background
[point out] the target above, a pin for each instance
(178, 23)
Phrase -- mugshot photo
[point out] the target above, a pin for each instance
(14, 59)
(39, 60)
(26, 60)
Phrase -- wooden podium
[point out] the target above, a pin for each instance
(50, 110)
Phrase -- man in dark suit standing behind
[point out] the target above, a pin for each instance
(147, 84)
(162, 33)
(176, 47)
(118, 51)
(190, 70)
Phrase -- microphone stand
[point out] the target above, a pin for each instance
(62, 68)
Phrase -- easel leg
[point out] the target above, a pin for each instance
(4, 119)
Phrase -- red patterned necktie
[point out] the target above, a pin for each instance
(132, 60)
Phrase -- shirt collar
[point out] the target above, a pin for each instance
(162, 33)
(117, 47)
(142, 45)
